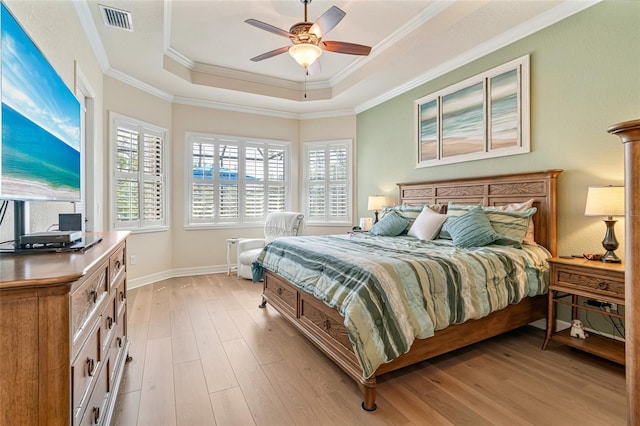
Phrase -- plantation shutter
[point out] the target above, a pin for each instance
(139, 199)
(153, 174)
(127, 184)
(203, 185)
(235, 180)
(328, 182)
(228, 196)
(276, 201)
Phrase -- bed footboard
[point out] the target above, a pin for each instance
(324, 327)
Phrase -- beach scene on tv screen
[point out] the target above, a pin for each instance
(40, 123)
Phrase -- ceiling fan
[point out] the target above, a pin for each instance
(307, 39)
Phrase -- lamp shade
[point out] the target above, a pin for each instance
(305, 53)
(376, 202)
(605, 201)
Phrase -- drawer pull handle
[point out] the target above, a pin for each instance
(326, 324)
(96, 415)
(603, 285)
(93, 296)
(91, 366)
(118, 264)
(119, 340)
(279, 291)
(109, 322)
(122, 296)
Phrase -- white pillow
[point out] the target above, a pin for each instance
(427, 225)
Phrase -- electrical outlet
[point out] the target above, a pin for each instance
(133, 259)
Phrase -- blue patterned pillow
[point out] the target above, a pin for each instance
(472, 229)
(390, 225)
(512, 225)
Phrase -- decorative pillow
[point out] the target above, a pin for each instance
(513, 225)
(412, 211)
(390, 225)
(427, 225)
(472, 229)
(519, 207)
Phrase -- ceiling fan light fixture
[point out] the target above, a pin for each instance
(304, 53)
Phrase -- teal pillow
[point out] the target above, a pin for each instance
(512, 225)
(390, 225)
(472, 229)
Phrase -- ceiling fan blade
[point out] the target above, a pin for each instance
(327, 21)
(268, 27)
(270, 54)
(348, 48)
(314, 68)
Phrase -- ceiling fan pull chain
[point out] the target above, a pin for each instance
(306, 73)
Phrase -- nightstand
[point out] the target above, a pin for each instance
(570, 278)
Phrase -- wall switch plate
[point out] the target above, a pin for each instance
(133, 259)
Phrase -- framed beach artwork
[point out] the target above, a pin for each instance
(482, 117)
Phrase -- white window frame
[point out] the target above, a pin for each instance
(242, 142)
(328, 220)
(141, 225)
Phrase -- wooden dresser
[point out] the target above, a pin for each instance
(63, 334)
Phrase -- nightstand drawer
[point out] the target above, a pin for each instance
(604, 285)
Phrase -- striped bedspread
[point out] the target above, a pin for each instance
(392, 290)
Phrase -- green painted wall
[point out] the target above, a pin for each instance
(585, 76)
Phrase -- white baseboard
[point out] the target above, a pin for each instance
(173, 273)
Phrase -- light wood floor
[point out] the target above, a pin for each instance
(205, 354)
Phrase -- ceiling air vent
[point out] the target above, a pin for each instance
(116, 18)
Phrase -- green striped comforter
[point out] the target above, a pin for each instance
(392, 290)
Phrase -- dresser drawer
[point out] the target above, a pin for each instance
(84, 370)
(605, 285)
(117, 265)
(118, 344)
(86, 300)
(95, 409)
(109, 326)
(120, 290)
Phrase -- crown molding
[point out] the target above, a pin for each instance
(84, 14)
(134, 82)
(558, 13)
(234, 107)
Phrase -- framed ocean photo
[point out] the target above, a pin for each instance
(482, 117)
(428, 145)
(504, 114)
(463, 122)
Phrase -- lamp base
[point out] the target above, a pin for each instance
(376, 219)
(610, 243)
(610, 257)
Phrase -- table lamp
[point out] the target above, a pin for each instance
(606, 201)
(376, 202)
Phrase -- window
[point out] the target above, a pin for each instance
(235, 180)
(139, 178)
(327, 174)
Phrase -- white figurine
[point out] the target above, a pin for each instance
(577, 329)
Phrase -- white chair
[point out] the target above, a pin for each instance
(277, 224)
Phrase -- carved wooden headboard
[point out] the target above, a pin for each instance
(496, 191)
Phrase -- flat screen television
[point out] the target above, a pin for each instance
(40, 139)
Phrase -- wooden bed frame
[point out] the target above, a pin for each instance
(629, 134)
(324, 326)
